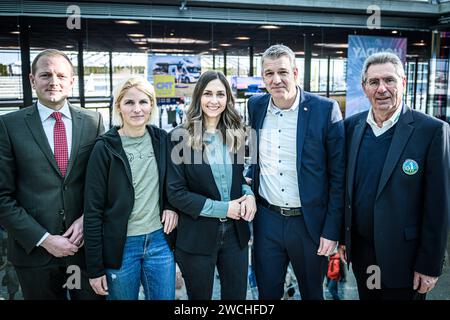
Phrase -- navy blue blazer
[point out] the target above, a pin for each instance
(320, 161)
(411, 211)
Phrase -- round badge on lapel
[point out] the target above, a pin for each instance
(410, 167)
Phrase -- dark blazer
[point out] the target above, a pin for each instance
(189, 184)
(109, 199)
(34, 197)
(320, 161)
(411, 211)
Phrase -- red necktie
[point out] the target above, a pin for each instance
(60, 143)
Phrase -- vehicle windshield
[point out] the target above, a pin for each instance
(192, 69)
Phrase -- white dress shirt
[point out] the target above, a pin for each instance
(48, 123)
(389, 123)
(278, 156)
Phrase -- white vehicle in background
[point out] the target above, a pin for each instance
(190, 72)
(184, 70)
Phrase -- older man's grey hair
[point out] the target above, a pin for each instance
(382, 58)
(276, 51)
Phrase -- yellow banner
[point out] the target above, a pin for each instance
(164, 86)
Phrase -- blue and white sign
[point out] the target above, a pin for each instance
(359, 48)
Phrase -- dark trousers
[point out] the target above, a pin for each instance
(278, 240)
(232, 265)
(363, 256)
(47, 283)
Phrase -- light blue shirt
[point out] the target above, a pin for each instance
(222, 170)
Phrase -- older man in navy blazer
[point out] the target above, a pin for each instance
(298, 177)
(398, 189)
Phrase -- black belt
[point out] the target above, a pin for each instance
(284, 211)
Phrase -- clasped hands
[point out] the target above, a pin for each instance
(68, 243)
(242, 208)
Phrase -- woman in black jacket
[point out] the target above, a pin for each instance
(205, 183)
(127, 222)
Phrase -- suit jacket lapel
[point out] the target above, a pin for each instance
(302, 123)
(77, 129)
(34, 123)
(399, 141)
(261, 115)
(205, 167)
(358, 133)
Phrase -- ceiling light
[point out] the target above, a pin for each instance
(15, 32)
(332, 45)
(136, 35)
(419, 44)
(339, 52)
(300, 53)
(69, 46)
(242, 38)
(225, 44)
(126, 22)
(165, 50)
(394, 31)
(269, 27)
(176, 40)
(214, 49)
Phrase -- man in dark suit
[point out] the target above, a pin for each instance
(44, 151)
(397, 195)
(298, 177)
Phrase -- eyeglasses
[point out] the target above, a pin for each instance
(374, 83)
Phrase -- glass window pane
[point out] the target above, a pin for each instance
(10, 74)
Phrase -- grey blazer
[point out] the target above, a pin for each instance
(34, 197)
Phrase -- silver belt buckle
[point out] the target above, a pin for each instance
(284, 209)
(223, 219)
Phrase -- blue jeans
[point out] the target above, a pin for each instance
(147, 259)
(334, 289)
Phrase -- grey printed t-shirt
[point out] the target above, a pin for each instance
(144, 172)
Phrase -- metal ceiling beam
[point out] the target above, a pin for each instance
(424, 7)
(103, 10)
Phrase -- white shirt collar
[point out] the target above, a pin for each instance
(275, 110)
(45, 112)
(389, 123)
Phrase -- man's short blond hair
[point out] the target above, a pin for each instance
(50, 53)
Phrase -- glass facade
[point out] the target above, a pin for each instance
(427, 67)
